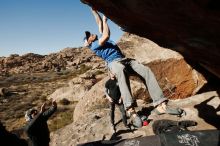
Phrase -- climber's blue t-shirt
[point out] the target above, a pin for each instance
(109, 51)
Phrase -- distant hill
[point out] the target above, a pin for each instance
(67, 58)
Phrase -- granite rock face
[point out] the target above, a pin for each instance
(96, 125)
(189, 27)
(176, 78)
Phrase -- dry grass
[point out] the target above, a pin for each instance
(61, 118)
(31, 90)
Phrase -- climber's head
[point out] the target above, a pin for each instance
(89, 38)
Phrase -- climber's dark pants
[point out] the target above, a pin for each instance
(122, 110)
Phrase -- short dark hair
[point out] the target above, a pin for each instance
(87, 35)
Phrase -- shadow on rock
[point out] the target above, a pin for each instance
(145, 111)
(209, 113)
(102, 143)
(116, 135)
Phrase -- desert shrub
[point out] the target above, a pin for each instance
(43, 98)
(46, 78)
(3, 108)
(18, 114)
(98, 72)
(63, 72)
(11, 79)
(64, 101)
(83, 69)
(61, 119)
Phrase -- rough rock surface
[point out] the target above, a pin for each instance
(68, 58)
(175, 76)
(96, 126)
(75, 90)
(189, 27)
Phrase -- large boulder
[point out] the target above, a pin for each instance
(176, 78)
(75, 90)
(92, 100)
(189, 27)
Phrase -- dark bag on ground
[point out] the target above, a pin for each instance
(169, 126)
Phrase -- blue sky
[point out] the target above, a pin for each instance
(45, 26)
